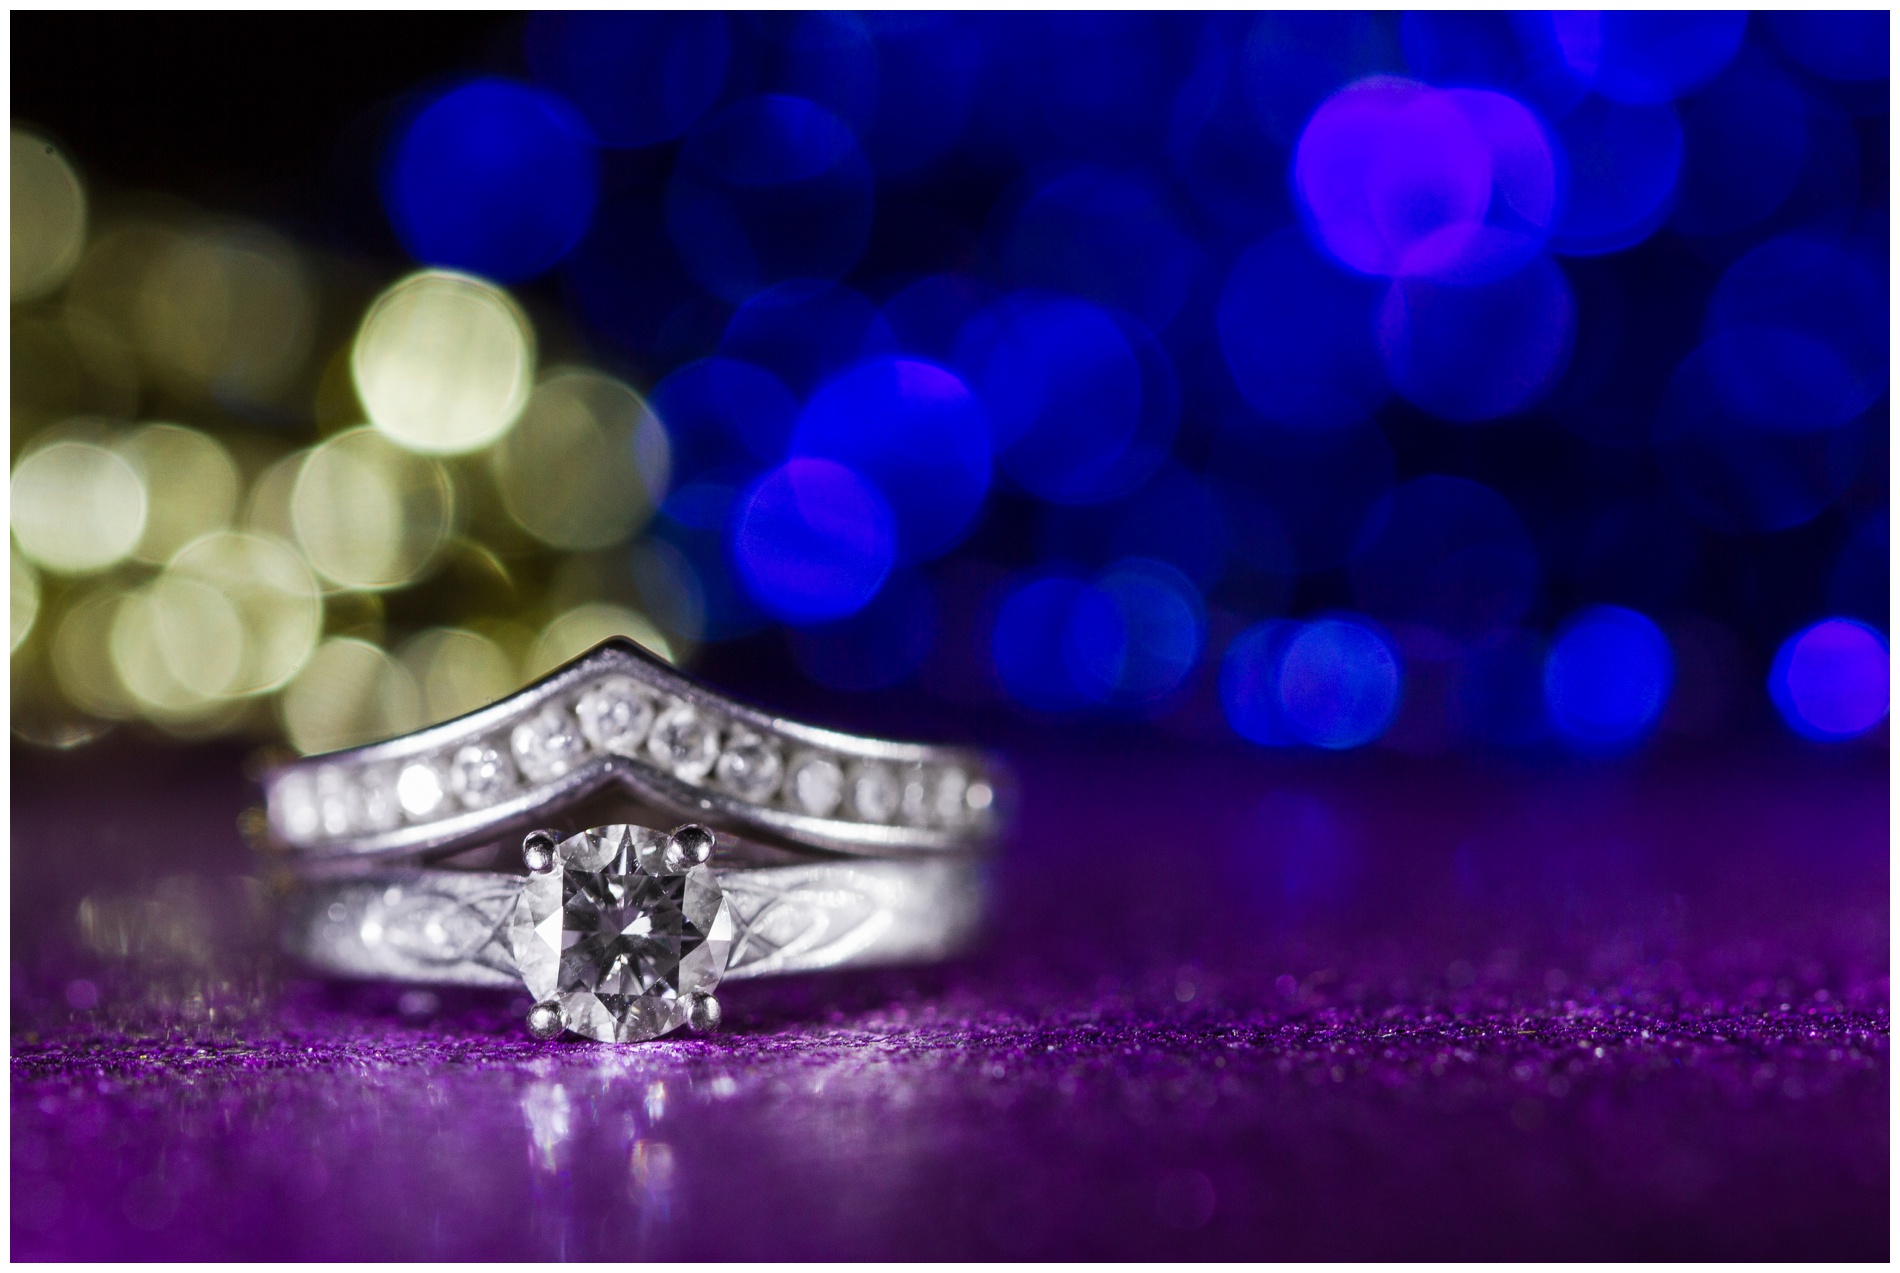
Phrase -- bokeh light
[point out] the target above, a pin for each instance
(191, 486)
(574, 632)
(1607, 677)
(1250, 682)
(1014, 363)
(48, 210)
(724, 416)
(443, 363)
(1144, 646)
(812, 540)
(1623, 163)
(456, 671)
(1298, 335)
(1841, 44)
(1081, 407)
(916, 433)
(351, 692)
(1338, 684)
(1037, 625)
(767, 190)
(24, 608)
(225, 312)
(82, 655)
(805, 332)
(493, 177)
(1643, 56)
(1745, 143)
(1810, 315)
(369, 514)
(1404, 180)
(273, 594)
(1472, 353)
(77, 507)
(585, 465)
(1831, 681)
(638, 77)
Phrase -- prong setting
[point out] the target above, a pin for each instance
(537, 851)
(687, 847)
(703, 1014)
(546, 1020)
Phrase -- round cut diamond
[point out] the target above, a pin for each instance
(421, 790)
(815, 785)
(377, 808)
(620, 950)
(334, 797)
(480, 774)
(615, 716)
(547, 745)
(875, 792)
(684, 743)
(750, 767)
(293, 805)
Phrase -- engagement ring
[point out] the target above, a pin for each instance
(622, 933)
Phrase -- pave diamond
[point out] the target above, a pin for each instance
(480, 774)
(377, 808)
(750, 768)
(875, 792)
(621, 951)
(815, 785)
(615, 716)
(685, 743)
(548, 744)
(421, 790)
(293, 805)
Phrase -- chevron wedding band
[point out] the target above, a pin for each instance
(619, 716)
(621, 933)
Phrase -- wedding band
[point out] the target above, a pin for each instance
(622, 933)
(618, 715)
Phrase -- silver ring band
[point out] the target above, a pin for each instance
(618, 715)
(622, 945)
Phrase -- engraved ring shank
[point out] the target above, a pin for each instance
(446, 927)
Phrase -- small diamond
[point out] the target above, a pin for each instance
(335, 796)
(548, 745)
(615, 716)
(377, 808)
(421, 790)
(947, 807)
(815, 785)
(684, 744)
(479, 774)
(874, 792)
(979, 797)
(750, 767)
(914, 807)
(620, 950)
(293, 807)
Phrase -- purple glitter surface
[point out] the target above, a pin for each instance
(1249, 1007)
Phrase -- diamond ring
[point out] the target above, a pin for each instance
(618, 715)
(622, 933)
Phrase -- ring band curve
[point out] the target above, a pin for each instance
(451, 927)
(619, 716)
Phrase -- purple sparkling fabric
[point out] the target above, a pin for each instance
(1229, 1006)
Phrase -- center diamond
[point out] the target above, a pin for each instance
(620, 949)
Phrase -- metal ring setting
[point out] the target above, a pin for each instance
(618, 715)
